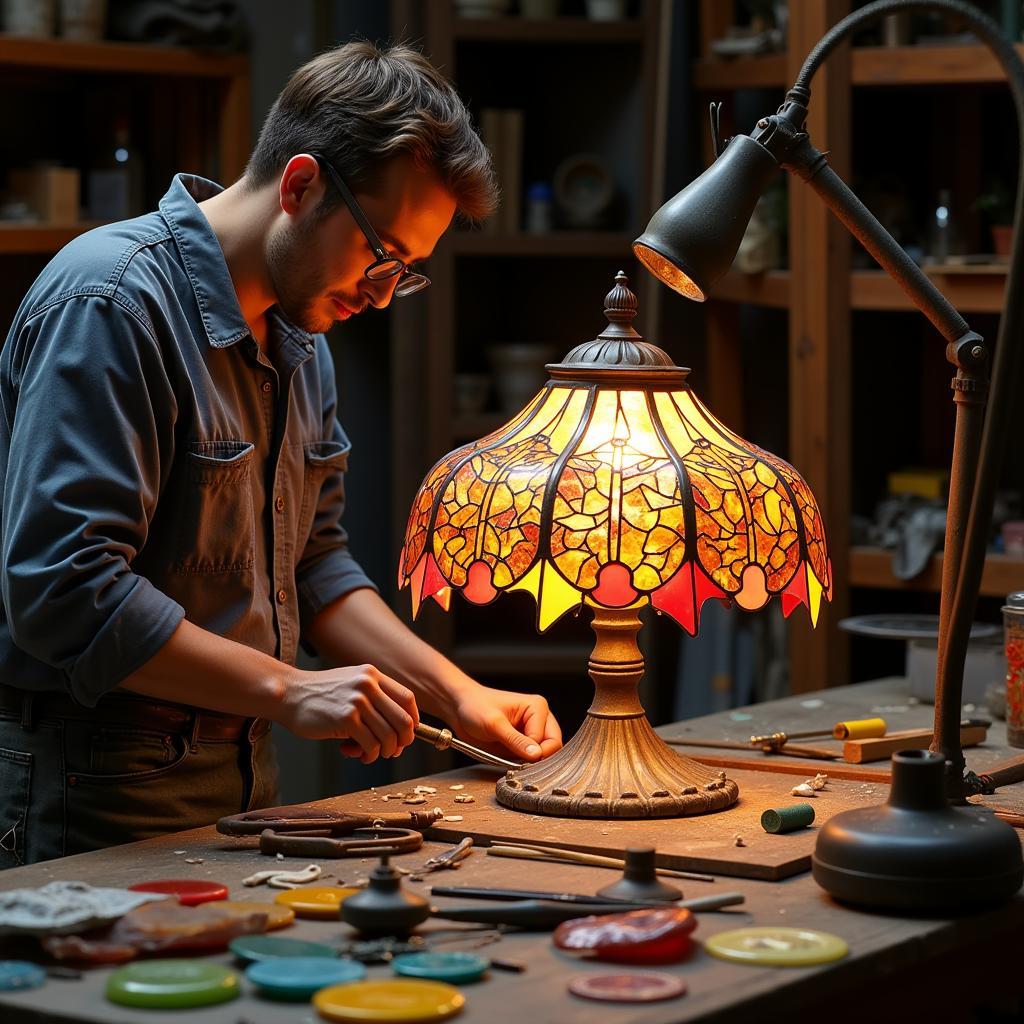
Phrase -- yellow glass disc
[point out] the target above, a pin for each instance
(399, 999)
(319, 901)
(278, 915)
(777, 947)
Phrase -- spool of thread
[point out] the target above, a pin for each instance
(787, 819)
(861, 729)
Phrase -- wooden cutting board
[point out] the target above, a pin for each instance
(705, 843)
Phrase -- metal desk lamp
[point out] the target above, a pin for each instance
(690, 243)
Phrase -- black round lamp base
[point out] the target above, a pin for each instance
(916, 853)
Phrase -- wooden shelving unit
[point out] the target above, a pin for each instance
(872, 567)
(971, 289)
(556, 243)
(119, 58)
(767, 72)
(215, 106)
(484, 280)
(23, 239)
(820, 290)
(925, 65)
(547, 31)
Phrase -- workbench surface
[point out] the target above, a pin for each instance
(896, 966)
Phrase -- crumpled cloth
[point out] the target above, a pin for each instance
(202, 24)
(59, 908)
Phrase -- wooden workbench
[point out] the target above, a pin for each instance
(896, 965)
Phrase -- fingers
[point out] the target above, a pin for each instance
(406, 700)
(541, 726)
(382, 717)
(515, 741)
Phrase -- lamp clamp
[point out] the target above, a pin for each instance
(968, 352)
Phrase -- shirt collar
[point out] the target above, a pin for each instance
(203, 260)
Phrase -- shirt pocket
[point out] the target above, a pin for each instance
(322, 458)
(217, 532)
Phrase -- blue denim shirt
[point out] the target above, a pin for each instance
(155, 464)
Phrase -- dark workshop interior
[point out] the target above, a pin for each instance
(772, 539)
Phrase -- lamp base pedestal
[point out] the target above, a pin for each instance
(617, 766)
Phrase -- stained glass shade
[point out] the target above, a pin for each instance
(616, 485)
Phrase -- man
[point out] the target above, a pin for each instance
(172, 471)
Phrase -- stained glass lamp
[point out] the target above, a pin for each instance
(616, 488)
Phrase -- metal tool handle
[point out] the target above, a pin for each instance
(442, 739)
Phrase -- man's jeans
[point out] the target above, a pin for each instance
(69, 785)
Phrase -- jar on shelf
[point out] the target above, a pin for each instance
(1013, 629)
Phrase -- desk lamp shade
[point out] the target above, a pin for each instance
(616, 488)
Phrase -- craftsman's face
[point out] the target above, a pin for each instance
(316, 264)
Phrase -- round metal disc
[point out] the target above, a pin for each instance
(907, 627)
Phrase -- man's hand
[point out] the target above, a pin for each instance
(373, 714)
(501, 722)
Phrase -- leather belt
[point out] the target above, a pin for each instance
(127, 711)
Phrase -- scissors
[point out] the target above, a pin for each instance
(302, 831)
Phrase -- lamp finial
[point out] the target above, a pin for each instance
(620, 304)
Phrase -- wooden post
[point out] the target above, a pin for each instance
(819, 344)
(235, 139)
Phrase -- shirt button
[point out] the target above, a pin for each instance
(279, 503)
(282, 596)
(267, 387)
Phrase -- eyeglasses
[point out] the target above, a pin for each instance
(386, 264)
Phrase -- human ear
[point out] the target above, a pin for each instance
(300, 184)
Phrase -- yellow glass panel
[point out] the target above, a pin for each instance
(814, 590)
(553, 595)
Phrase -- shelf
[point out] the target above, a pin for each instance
(872, 567)
(548, 30)
(925, 65)
(17, 238)
(61, 55)
(765, 72)
(768, 289)
(870, 66)
(534, 657)
(557, 243)
(970, 289)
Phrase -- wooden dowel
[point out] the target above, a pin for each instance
(575, 857)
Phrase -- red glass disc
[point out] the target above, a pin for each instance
(190, 891)
(635, 937)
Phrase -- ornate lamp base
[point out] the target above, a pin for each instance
(616, 766)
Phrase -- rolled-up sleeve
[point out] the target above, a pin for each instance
(87, 452)
(327, 570)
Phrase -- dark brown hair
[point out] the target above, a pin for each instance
(359, 105)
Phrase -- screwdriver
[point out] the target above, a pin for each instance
(442, 739)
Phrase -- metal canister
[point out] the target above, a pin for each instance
(1013, 634)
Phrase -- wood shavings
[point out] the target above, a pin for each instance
(178, 853)
(738, 841)
(804, 789)
(439, 811)
(820, 781)
(193, 860)
(425, 789)
(415, 800)
(465, 798)
(278, 879)
(453, 817)
(457, 786)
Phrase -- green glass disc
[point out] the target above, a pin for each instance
(253, 948)
(172, 984)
